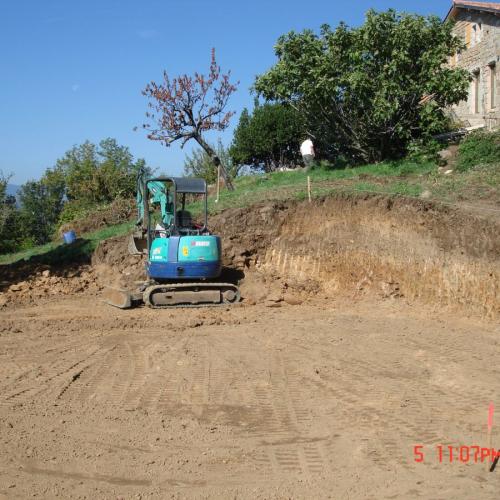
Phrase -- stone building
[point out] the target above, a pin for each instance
(478, 25)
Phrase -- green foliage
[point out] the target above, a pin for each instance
(420, 150)
(479, 148)
(269, 138)
(201, 164)
(99, 173)
(368, 92)
(74, 210)
(5, 207)
(10, 227)
(41, 203)
(87, 176)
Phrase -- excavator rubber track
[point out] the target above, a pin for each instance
(173, 295)
(191, 295)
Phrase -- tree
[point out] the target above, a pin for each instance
(41, 204)
(188, 106)
(200, 164)
(367, 92)
(269, 138)
(98, 173)
(8, 217)
(5, 206)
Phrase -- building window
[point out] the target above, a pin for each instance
(493, 85)
(473, 34)
(476, 34)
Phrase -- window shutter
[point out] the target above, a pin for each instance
(468, 28)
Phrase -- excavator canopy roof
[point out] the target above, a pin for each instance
(185, 184)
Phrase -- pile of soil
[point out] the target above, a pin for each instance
(113, 265)
(46, 281)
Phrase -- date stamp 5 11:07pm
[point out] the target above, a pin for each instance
(461, 454)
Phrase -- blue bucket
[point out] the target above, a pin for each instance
(69, 237)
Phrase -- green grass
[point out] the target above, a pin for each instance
(293, 185)
(56, 252)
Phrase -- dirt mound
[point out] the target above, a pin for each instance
(45, 282)
(112, 264)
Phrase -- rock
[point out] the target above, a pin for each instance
(272, 304)
(3, 300)
(266, 212)
(425, 194)
(292, 300)
(17, 287)
(46, 273)
(448, 172)
(445, 154)
(274, 298)
(390, 289)
(194, 323)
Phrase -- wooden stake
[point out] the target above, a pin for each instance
(218, 184)
(491, 410)
(309, 188)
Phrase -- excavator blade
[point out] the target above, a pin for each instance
(119, 297)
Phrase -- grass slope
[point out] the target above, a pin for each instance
(56, 252)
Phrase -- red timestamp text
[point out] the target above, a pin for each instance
(455, 454)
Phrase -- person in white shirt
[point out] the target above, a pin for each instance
(307, 152)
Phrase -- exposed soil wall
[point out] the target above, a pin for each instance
(394, 247)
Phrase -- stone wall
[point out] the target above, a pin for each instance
(481, 58)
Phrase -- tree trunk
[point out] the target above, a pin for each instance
(216, 160)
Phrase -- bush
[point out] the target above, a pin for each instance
(421, 151)
(479, 148)
(75, 210)
(84, 218)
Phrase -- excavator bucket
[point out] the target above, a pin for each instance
(137, 244)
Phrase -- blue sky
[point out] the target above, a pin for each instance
(74, 70)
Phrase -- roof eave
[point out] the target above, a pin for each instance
(452, 8)
(477, 8)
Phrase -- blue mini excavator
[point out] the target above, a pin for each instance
(183, 259)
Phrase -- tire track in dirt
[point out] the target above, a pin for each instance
(351, 392)
(57, 379)
(284, 419)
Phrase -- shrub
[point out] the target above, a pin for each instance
(422, 151)
(479, 148)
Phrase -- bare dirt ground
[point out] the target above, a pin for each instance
(325, 399)
(368, 326)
